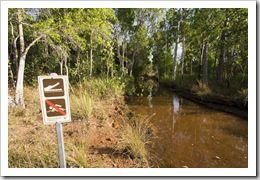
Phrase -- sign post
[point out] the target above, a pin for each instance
(55, 106)
(60, 145)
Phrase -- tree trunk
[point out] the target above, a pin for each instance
(19, 86)
(15, 51)
(175, 61)
(175, 53)
(120, 59)
(215, 64)
(205, 63)
(11, 80)
(132, 64)
(61, 66)
(91, 58)
(66, 66)
(123, 59)
(222, 54)
(183, 55)
(220, 66)
(201, 60)
(23, 52)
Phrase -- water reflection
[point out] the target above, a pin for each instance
(193, 135)
(176, 103)
(149, 98)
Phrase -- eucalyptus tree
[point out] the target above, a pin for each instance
(123, 29)
(176, 27)
(38, 30)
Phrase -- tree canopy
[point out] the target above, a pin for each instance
(210, 43)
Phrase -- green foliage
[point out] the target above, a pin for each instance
(185, 81)
(145, 87)
(129, 84)
(144, 39)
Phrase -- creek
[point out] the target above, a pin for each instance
(192, 135)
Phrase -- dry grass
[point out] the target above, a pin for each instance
(31, 144)
(138, 138)
(81, 103)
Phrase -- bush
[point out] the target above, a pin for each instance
(129, 85)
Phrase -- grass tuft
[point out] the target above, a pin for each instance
(136, 138)
(77, 154)
(81, 103)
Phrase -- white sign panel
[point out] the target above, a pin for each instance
(54, 99)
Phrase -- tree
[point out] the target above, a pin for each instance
(19, 100)
(178, 14)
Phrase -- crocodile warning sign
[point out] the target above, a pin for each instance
(54, 99)
(53, 87)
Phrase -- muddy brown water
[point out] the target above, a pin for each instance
(191, 135)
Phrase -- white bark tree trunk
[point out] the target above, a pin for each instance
(61, 66)
(19, 86)
(91, 57)
(19, 99)
(175, 53)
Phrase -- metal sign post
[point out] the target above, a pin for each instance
(60, 145)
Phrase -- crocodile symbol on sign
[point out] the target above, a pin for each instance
(50, 88)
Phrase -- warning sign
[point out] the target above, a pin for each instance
(53, 87)
(55, 107)
(54, 99)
